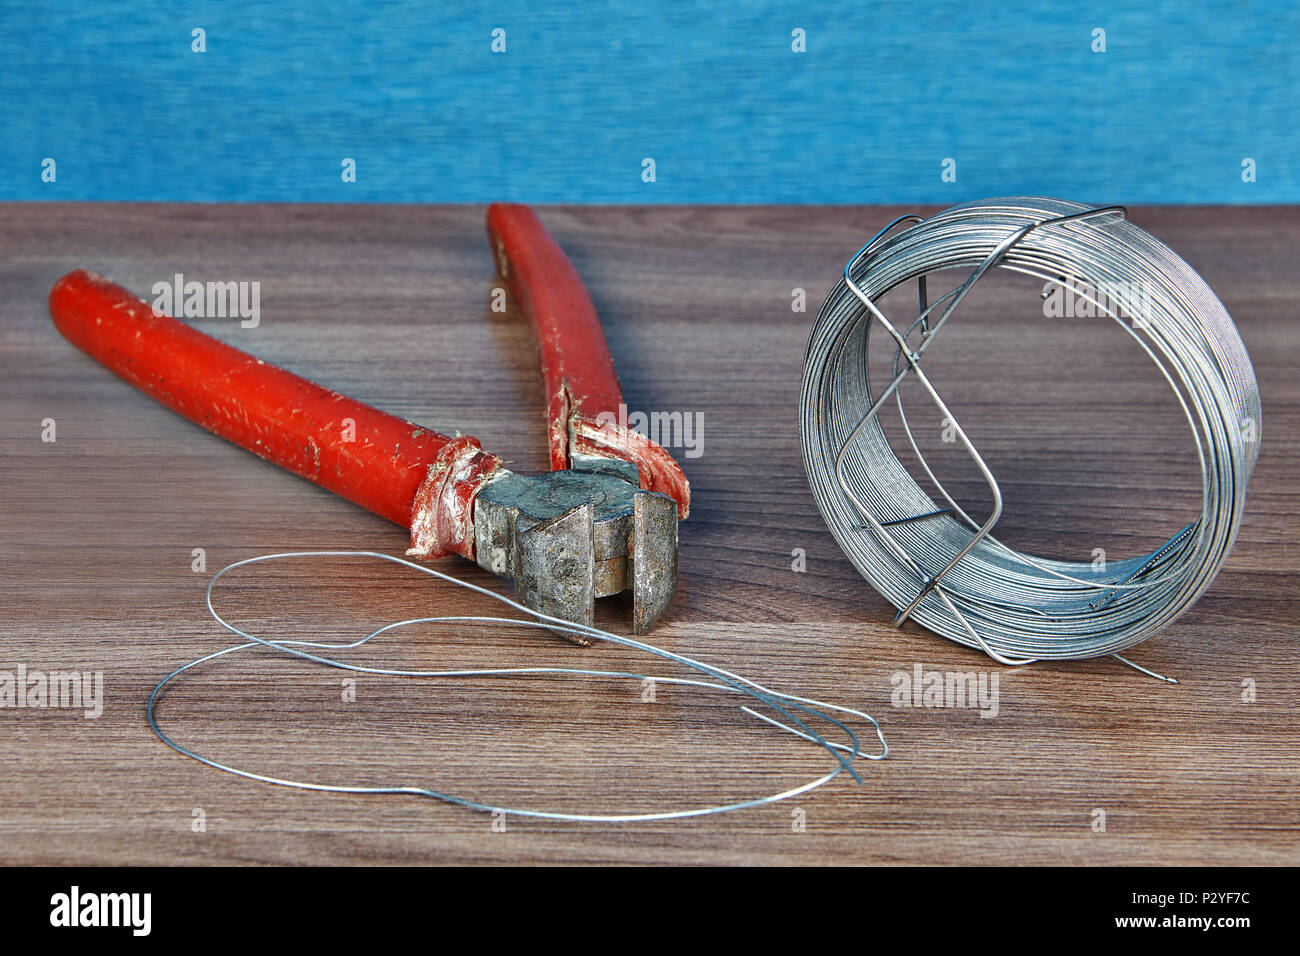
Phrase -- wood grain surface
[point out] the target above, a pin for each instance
(391, 305)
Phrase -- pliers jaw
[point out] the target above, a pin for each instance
(571, 536)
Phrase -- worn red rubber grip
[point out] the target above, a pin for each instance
(577, 368)
(571, 348)
(367, 456)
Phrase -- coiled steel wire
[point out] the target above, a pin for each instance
(928, 557)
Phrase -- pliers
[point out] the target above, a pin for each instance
(603, 520)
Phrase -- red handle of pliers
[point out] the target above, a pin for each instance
(583, 396)
(377, 460)
(577, 368)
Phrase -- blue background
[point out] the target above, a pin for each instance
(884, 93)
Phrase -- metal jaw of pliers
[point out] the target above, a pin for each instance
(572, 536)
(602, 521)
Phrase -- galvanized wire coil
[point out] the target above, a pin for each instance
(923, 552)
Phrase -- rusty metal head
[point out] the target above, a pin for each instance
(568, 537)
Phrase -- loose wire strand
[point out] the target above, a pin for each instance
(930, 558)
(723, 680)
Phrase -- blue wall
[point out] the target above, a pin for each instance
(885, 92)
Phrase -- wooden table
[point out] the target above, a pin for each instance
(391, 304)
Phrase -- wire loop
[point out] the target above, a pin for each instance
(787, 705)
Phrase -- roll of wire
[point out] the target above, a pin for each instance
(929, 557)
